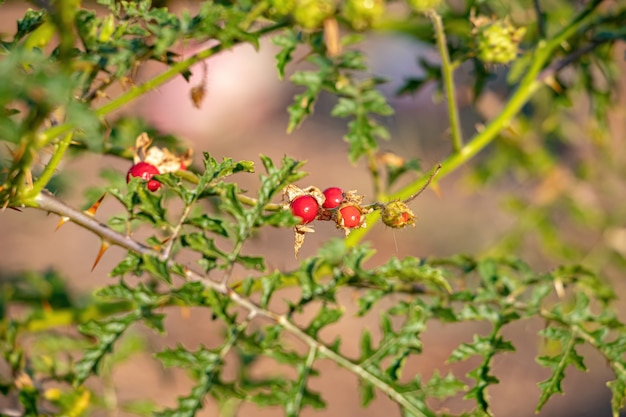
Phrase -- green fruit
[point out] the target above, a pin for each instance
(311, 14)
(363, 13)
(282, 7)
(497, 41)
(423, 5)
(398, 215)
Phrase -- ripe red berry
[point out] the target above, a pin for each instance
(334, 197)
(351, 216)
(305, 207)
(144, 171)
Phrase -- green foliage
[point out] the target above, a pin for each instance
(186, 244)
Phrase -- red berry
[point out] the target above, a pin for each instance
(144, 171)
(305, 207)
(351, 216)
(334, 197)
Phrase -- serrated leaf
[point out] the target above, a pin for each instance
(325, 316)
(106, 333)
(156, 267)
(252, 262)
(269, 284)
(367, 392)
(198, 242)
(558, 364)
(443, 387)
(288, 42)
(208, 224)
(181, 357)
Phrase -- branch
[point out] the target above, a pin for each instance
(48, 202)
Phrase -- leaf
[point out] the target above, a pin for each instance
(208, 224)
(558, 363)
(156, 267)
(325, 316)
(130, 264)
(180, 357)
(268, 286)
(442, 387)
(106, 333)
(288, 42)
(252, 262)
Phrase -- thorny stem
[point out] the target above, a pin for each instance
(47, 202)
(531, 82)
(448, 81)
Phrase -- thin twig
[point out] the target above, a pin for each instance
(167, 251)
(425, 186)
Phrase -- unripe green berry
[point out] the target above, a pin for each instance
(311, 14)
(497, 41)
(398, 215)
(282, 7)
(363, 13)
(424, 5)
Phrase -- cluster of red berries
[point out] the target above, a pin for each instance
(153, 160)
(145, 171)
(333, 203)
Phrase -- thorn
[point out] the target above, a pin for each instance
(16, 209)
(61, 222)
(185, 312)
(91, 211)
(103, 248)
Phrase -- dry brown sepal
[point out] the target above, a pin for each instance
(290, 193)
(164, 160)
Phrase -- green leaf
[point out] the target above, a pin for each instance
(208, 224)
(252, 262)
(558, 363)
(106, 333)
(269, 284)
(325, 316)
(130, 264)
(288, 42)
(443, 386)
(156, 267)
(198, 242)
(180, 357)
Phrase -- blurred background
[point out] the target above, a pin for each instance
(243, 115)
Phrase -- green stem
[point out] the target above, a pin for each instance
(448, 81)
(50, 168)
(49, 135)
(531, 82)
